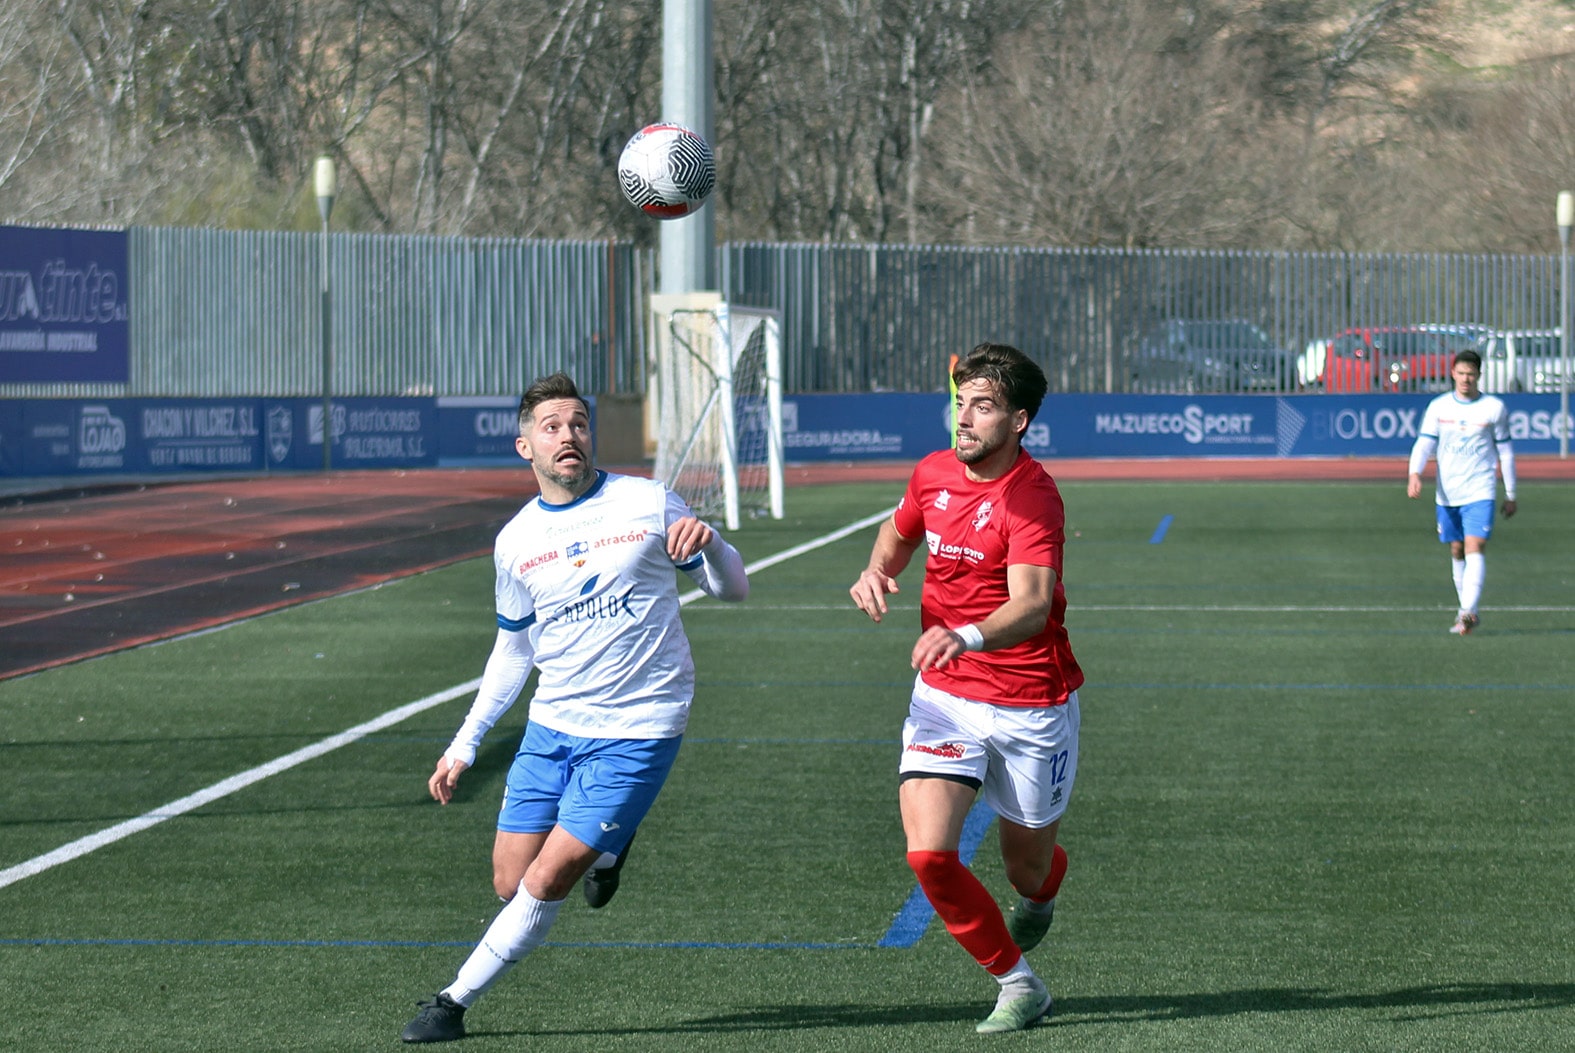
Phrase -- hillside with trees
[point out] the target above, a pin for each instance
(1341, 125)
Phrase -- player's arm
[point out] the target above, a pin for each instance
(1506, 468)
(889, 557)
(507, 669)
(1030, 590)
(1421, 452)
(711, 563)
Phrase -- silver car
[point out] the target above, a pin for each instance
(1522, 360)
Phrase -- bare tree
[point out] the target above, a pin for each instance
(37, 88)
(1106, 138)
(1503, 153)
(1252, 123)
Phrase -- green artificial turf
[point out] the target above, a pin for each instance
(1306, 817)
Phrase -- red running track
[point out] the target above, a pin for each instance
(93, 573)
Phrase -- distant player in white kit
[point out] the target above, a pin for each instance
(587, 593)
(1470, 433)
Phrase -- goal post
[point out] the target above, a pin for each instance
(718, 394)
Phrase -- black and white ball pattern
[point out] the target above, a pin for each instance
(667, 170)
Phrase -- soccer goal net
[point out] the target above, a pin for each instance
(719, 409)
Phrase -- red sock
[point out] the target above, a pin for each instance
(967, 909)
(1052, 883)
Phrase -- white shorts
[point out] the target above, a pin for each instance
(1025, 760)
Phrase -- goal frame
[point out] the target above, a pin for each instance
(697, 388)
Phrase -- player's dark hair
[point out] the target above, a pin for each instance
(545, 389)
(1016, 377)
(1470, 358)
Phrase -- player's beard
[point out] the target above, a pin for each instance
(573, 479)
(983, 448)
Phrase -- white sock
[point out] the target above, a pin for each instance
(518, 929)
(605, 860)
(1019, 975)
(1459, 568)
(1033, 906)
(1017, 982)
(1471, 581)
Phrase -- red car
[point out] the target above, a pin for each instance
(1393, 358)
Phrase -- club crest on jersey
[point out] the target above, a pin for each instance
(943, 499)
(982, 516)
(577, 549)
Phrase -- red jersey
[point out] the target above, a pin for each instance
(974, 531)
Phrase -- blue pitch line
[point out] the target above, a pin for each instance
(1159, 531)
(420, 944)
(915, 915)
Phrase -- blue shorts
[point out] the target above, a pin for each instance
(1458, 522)
(596, 789)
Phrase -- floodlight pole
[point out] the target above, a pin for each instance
(327, 187)
(1566, 218)
(686, 260)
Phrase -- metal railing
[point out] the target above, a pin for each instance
(229, 313)
(870, 318)
(238, 313)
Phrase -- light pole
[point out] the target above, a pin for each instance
(327, 186)
(1566, 218)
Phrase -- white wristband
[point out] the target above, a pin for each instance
(972, 638)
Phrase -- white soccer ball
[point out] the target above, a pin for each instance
(666, 170)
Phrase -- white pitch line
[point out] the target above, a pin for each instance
(93, 842)
(235, 783)
(799, 550)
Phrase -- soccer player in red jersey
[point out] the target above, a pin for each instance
(994, 707)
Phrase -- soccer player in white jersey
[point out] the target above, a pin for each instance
(587, 593)
(1469, 432)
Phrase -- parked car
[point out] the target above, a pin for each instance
(1309, 364)
(1185, 356)
(1394, 358)
(1521, 360)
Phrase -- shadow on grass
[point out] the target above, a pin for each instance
(1431, 1000)
(1412, 1002)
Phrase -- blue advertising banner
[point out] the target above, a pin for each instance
(366, 433)
(905, 427)
(1262, 426)
(864, 427)
(62, 437)
(134, 436)
(196, 435)
(68, 437)
(64, 315)
(1158, 426)
(10, 437)
(478, 430)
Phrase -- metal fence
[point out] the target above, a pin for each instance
(869, 318)
(239, 313)
(227, 313)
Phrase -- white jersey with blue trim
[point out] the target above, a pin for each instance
(1472, 437)
(592, 586)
